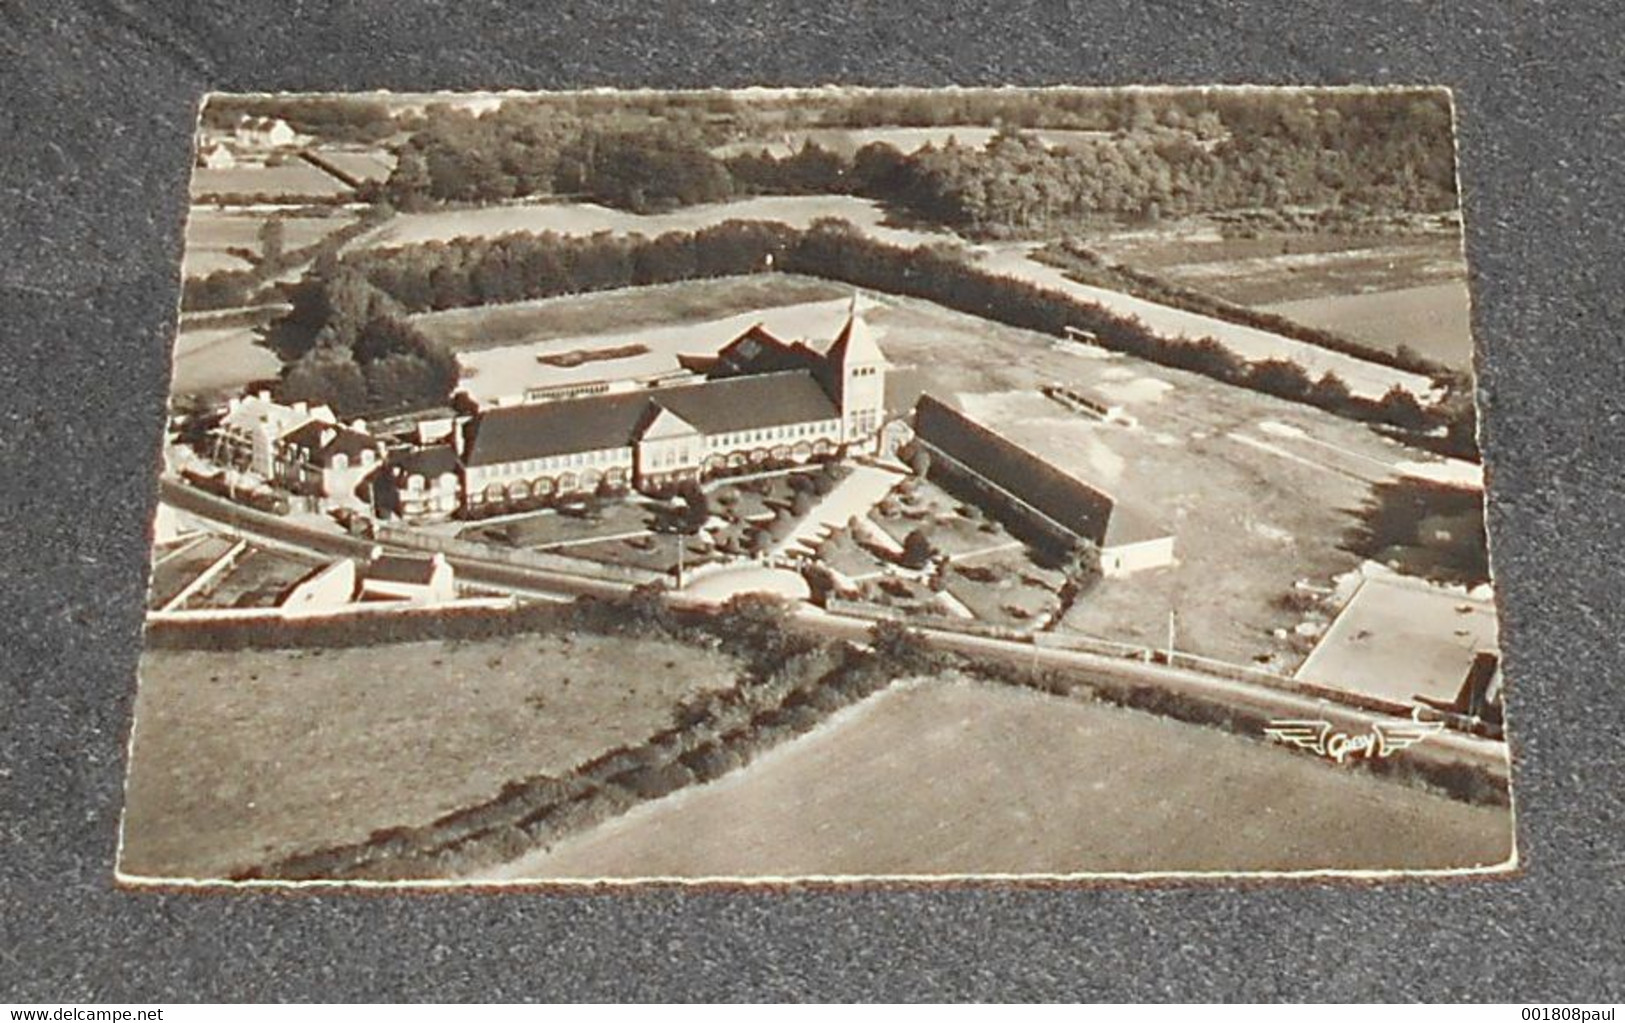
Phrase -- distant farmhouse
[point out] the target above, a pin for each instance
(759, 402)
(1029, 489)
(251, 132)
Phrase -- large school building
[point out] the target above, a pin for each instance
(759, 401)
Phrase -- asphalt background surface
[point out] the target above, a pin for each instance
(97, 102)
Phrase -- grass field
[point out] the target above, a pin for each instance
(1385, 291)
(1365, 378)
(219, 360)
(211, 232)
(1434, 319)
(242, 757)
(290, 181)
(958, 778)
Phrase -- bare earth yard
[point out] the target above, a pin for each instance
(243, 757)
(955, 778)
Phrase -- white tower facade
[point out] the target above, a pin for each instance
(859, 370)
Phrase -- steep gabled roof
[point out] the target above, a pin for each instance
(758, 351)
(855, 342)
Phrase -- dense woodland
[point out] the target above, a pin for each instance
(1176, 155)
(349, 345)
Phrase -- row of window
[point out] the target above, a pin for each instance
(577, 460)
(570, 481)
(729, 440)
(670, 456)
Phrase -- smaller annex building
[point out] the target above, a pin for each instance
(1033, 489)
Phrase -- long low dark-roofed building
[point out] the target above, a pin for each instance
(1129, 541)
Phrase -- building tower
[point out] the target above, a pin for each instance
(857, 369)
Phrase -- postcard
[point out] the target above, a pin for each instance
(821, 486)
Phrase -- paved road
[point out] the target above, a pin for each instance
(1254, 698)
(526, 582)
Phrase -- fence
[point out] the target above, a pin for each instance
(1108, 648)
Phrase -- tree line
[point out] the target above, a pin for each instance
(387, 284)
(1020, 183)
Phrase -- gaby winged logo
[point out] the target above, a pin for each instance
(1384, 740)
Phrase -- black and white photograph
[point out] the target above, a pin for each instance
(821, 486)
